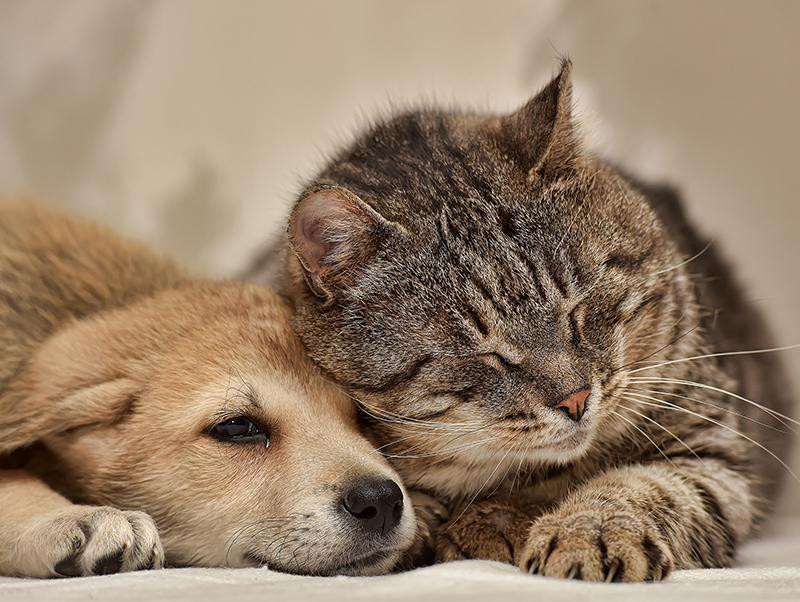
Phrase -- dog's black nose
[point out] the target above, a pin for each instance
(376, 503)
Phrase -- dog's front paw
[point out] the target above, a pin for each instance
(596, 545)
(489, 530)
(89, 540)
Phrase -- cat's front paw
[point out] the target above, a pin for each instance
(89, 540)
(430, 513)
(489, 530)
(596, 545)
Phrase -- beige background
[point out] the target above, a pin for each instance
(188, 123)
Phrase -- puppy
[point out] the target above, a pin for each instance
(147, 417)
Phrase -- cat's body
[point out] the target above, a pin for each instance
(506, 309)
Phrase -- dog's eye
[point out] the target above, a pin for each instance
(239, 430)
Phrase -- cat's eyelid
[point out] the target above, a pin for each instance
(497, 359)
(625, 261)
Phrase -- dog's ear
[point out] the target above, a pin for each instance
(76, 379)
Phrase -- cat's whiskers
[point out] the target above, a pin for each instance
(644, 434)
(516, 473)
(666, 405)
(712, 405)
(685, 261)
(663, 428)
(486, 482)
(446, 452)
(660, 332)
(428, 441)
(388, 417)
(659, 350)
(782, 418)
(502, 479)
(657, 364)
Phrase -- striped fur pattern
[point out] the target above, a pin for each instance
(460, 274)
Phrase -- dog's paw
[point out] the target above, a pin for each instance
(90, 540)
(599, 545)
(489, 530)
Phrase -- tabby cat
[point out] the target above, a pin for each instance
(536, 339)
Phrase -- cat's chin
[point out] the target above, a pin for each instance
(562, 451)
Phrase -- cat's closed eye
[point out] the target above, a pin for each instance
(576, 318)
(624, 261)
(497, 360)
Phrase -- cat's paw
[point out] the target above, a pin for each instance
(596, 545)
(89, 540)
(489, 530)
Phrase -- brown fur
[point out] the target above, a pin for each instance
(115, 365)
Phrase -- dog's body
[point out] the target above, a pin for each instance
(146, 416)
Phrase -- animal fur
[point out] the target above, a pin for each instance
(115, 366)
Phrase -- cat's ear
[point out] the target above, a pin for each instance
(333, 233)
(542, 132)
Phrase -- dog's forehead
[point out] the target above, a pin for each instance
(281, 395)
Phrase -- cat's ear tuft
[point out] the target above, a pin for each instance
(333, 233)
(542, 132)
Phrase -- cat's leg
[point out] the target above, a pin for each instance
(42, 534)
(430, 513)
(492, 529)
(639, 522)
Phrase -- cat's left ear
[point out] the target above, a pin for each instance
(541, 133)
(333, 234)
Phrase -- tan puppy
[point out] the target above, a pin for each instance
(147, 417)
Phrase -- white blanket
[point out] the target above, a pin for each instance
(769, 570)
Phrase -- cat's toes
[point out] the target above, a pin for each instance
(96, 541)
(595, 546)
(489, 530)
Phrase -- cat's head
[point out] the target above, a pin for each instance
(479, 282)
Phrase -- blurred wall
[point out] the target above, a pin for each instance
(189, 123)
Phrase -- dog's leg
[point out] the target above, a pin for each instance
(42, 534)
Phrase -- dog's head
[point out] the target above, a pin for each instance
(200, 408)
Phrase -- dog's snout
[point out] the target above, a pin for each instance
(377, 504)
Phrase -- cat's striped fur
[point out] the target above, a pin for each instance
(460, 274)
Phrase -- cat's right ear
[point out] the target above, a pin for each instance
(541, 133)
(333, 233)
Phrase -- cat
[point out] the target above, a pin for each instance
(540, 341)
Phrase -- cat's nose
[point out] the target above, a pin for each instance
(574, 405)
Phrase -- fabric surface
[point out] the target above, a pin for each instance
(769, 570)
